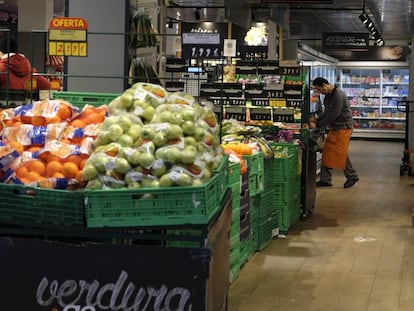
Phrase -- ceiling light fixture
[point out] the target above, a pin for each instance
(369, 24)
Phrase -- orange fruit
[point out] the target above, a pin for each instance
(38, 167)
(17, 146)
(70, 169)
(33, 176)
(78, 176)
(52, 157)
(55, 119)
(58, 175)
(64, 112)
(78, 123)
(38, 121)
(25, 180)
(92, 118)
(75, 158)
(53, 167)
(46, 183)
(82, 164)
(22, 172)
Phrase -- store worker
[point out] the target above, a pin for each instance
(337, 117)
(16, 70)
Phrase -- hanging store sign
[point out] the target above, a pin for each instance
(68, 36)
(345, 40)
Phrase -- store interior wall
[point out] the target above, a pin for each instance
(106, 63)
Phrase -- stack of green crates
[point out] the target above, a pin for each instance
(80, 99)
(285, 181)
(234, 183)
(255, 166)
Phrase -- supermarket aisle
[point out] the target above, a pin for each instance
(356, 252)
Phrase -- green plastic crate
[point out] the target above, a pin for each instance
(234, 253)
(255, 163)
(23, 204)
(264, 233)
(233, 179)
(180, 242)
(80, 99)
(286, 161)
(156, 206)
(234, 272)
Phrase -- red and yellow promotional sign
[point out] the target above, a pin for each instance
(68, 36)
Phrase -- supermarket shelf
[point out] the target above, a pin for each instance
(378, 133)
(378, 118)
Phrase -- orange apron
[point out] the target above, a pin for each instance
(335, 150)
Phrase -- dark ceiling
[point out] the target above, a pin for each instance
(394, 19)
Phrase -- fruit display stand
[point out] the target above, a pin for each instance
(123, 275)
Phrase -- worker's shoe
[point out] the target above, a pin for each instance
(322, 183)
(350, 182)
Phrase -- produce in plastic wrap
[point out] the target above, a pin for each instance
(174, 141)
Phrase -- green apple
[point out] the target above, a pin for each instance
(114, 132)
(125, 140)
(148, 112)
(160, 139)
(188, 156)
(100, 161)
(147, 132)
(176, 118)
(174, 131)
(199, 133)
(197, 182)
(134, 185)
(126, 100)
(166, 116)
(158, 168)
(166, 181)
(134, 131)
(122, 165)
(89, 172)
(94, 184)
(173, 155)
(188, 128)
(184, 180)
(188, 114)
(133, 155)
(189, 140)
(125, 122)
(146, 159)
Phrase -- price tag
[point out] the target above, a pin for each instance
(258, 114)
(295, 103)
(260, 102)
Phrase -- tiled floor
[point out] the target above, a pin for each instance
(356, 252)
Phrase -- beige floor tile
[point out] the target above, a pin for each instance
(355, 252)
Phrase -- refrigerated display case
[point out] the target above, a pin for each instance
(374, 95)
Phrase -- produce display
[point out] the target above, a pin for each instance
(152, 138)
(146, 137)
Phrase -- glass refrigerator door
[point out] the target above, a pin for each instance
(373, 95)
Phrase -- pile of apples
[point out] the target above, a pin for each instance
(153, 138)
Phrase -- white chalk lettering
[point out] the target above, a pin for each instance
(80, 295)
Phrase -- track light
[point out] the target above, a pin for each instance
(197, 14)
(170, 24)
(369, 24)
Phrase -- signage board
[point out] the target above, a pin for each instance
(68, 36)
(345, 40)
(65, 277)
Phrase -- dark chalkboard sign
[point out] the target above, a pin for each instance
(54, 276)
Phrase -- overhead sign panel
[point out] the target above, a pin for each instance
(345, 40)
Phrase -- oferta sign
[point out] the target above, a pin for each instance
(68, 36)
(345, 40)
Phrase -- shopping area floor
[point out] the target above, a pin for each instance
(356, 252)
